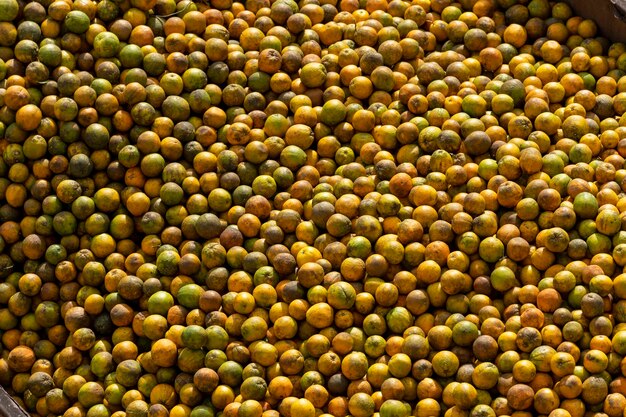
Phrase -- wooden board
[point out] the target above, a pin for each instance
(610, 15)
(8, 406)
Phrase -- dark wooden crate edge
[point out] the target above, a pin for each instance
(8, 406)
(610, 16)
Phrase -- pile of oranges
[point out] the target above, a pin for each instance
(374, 208)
